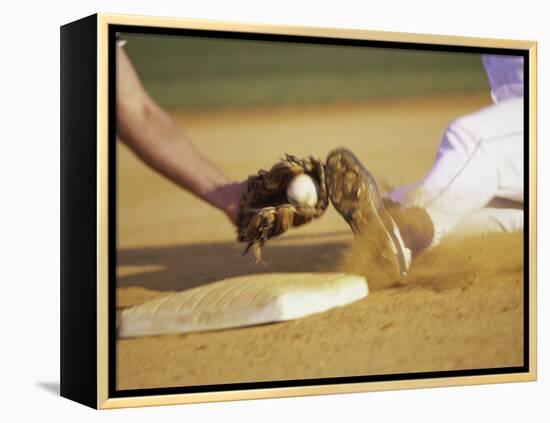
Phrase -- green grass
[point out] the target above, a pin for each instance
(201, 72)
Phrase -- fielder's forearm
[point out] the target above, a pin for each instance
(153, 135)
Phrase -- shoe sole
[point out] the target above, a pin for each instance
(354, 194)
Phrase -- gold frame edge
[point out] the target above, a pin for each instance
(103, 21)
(102, 213)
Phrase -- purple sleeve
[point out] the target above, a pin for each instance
(505, 74)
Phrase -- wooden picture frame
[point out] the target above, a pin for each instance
(89, 219)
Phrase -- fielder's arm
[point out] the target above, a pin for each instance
(152, 134)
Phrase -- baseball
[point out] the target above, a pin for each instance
(302, 191)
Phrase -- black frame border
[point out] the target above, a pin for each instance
(113, 29)
(78, 211)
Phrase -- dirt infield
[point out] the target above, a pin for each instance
(460, 308)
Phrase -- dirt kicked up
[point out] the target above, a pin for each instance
(461, 307)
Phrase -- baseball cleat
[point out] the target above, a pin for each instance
(354, 194)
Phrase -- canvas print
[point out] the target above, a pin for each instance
(303, 211)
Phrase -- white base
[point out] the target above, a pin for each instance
(242, 301)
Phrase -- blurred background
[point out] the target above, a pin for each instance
(195, 72)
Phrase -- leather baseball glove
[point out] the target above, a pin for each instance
(266, 212)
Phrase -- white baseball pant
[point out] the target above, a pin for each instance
(479, 160)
